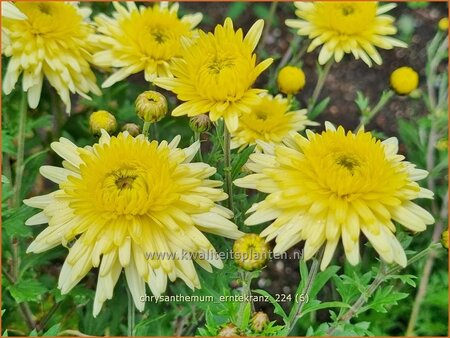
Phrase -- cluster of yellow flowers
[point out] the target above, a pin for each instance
(127, 196)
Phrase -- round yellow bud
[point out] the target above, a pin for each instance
(259, 321)
(443, 24)
(442, 144)
(444, 239)
(102, 120)
(200, 123)
(251, 252)
(291, 80)
(151, 106)
(132, 128)
(404, 80)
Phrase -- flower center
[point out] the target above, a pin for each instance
(125, 182)
(123, 179)
(219, 63)
(347, 18)
(159, 35)
(44, 8)
(261, 115)
(347, 161)
(347, 10)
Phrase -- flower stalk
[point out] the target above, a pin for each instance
(131, 313)
(323, 74)
(295, 315)
(371, 113)
(146, 129)
(227, 166)
(20, 150)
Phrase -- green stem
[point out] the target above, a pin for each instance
(319, 85)
(131, 314)
(227, 166)
(295, 315)
(384, 99)
(146, 129)
(247, 278)
(20, 150)
(269, 20)
(43, 323)
(198, 137)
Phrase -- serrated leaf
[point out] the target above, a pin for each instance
(315, 305)
(14, 221)
(384, 298)
(29, 290)
(321, 279)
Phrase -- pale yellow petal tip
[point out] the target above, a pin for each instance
(329, 126)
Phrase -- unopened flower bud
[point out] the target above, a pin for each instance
(443, 24)
(200, 123)
(291, 80)
(132, 128)
(251, 252)
(259, 321)
(151, 106)
(102, 120)
(404, 80)
(444, 239)
(229, 330)
(442, 144)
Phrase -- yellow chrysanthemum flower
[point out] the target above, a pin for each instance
(142, 39)
(269, 121)
(216, 74)
(346, 27)
(52, 42)
(333, 186)
(132, 204)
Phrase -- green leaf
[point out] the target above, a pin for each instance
(32, 165)
(315, 305)
(362, 101)
(321, 279)
(245, 317)
(40, 122)
(14, 221)
(318, 108)
(236, 9)
(240, 160)
(27, 291)
(384, 297)
(8, 146)
(53, 331)
(277, 307)
(141, 329)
